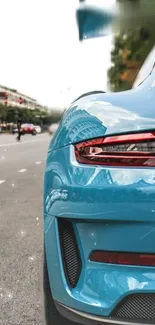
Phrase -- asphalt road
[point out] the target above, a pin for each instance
(21, 228)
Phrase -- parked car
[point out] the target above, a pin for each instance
(52, 128)
(38, 128)
(14, 130)
(28, 129)
(99, 211)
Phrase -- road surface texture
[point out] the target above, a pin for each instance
(21, 228)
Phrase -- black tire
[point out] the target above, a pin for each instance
(51, 315)
(34, 133)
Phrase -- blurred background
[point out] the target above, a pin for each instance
(44, 66)
(51, 53)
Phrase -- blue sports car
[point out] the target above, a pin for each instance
(99, 211)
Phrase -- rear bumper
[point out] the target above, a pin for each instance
(101, 287)
(90, 319)
(111, 209)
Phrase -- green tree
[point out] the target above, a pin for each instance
(10, 114)
(130, 51)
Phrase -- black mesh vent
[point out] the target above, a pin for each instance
(140, 307)
(70, 252)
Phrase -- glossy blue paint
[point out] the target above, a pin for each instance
(111, 208)
(101, 286)
(93, 192)
(111, 113)
(118, 206)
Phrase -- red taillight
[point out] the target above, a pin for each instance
(123, 258)
(122, 150)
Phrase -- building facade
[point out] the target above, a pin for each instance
(12, 97)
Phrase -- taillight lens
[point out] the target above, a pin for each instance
(122, 150)
(123, 258)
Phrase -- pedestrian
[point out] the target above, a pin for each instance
(19, 123)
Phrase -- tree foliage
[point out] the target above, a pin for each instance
(130, 51)
(9, 114)
(134, 42)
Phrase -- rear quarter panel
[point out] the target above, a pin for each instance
(106, 114)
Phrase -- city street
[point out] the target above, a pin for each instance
(21, 228)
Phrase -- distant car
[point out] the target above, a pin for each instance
(28, 129)
(53, 127)
(38, 129)
(14, 130)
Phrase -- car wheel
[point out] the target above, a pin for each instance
(34, 133)
(51, 315)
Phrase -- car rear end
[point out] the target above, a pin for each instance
(31, 129)
(100, 209)
(100, 212)
(28, 129)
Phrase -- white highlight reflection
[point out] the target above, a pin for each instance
(31, 258)
(23, 233)
(135, 284)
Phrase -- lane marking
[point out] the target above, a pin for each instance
(38, 162)
(22, 170)
(22, 142)
(2, 181)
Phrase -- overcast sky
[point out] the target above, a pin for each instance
(41, 55)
